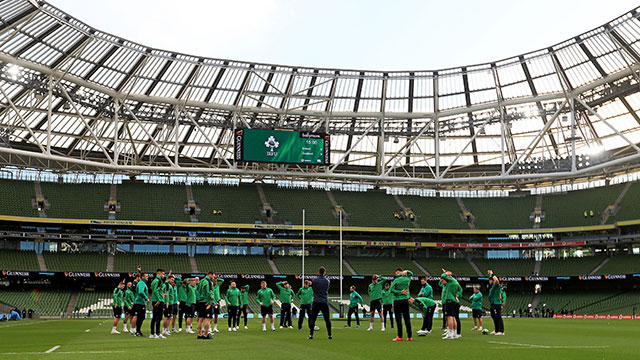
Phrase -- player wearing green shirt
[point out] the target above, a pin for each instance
(476, 308)
(354, 300)
(375, 299)
(265, 298)
(140, 303)
(451, 300)
(127, 305)
(427, 307)
(204, 306)
(190, 304)
(496, 299)
(157, 299)
(305, 294)
(170, 298)
(400, 290)
(232, 298)
(426, 290)
(182, 298)
(174, 305)
(387, 305)
(217, 282)
(286, 295)
(118, 299)
(244, 304)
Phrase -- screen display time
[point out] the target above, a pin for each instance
(281, 146)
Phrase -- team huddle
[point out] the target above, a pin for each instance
(170, 297)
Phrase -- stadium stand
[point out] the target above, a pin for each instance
(86, 261)
(98, 301)
(150, 262)
(381, 265)
(239, 204)
(288, 203)
(621, 264)
(435, 213)
(506, 267)
(234, 264)
(18, 260)
(591, 302)
(76, 201)
(568, 209)
(621, 303)
(43, 302)
(457, 266)
(629, 208)
(570, 266)
(371, 208)
(17, 197)
(293, 265)
(501, 213)
(140, 201)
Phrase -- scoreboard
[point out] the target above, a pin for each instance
(281, 146)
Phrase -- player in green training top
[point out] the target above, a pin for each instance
(305, 294)
(118, 297)
(140, 304)
(217, 282)
(476, 308)
(427, 307)
(387, 305)
(190, 305)
(265, 298)
(204, 306)
(168, 304)
(157, 300)
(182, 298)
(375, 299)
(495, 300)
(244, 305)
(233, 302)
(400, 290)
(286, 295)
(451, 300)
(427, 321)
(127, 306)
(354, 300)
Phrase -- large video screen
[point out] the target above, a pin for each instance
(281, 146)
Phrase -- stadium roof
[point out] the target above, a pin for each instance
(73, 98)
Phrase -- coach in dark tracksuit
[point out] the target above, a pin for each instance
(320, 304)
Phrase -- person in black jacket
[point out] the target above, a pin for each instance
(320, 285)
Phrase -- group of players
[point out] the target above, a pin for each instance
(173, 298)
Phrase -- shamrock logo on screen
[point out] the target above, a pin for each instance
(272, 143)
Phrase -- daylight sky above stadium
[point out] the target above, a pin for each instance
(348, 34)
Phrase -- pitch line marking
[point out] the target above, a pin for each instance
(534, 346)
(62, 352)
(52, 349)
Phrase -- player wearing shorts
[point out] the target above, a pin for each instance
(168, 304)
(265, 298)
(118, 297)
(182, 299)
(387, 305)
(204, 306)
(305, 294)
(286, 295)
(375, 296)
(140, 304)
(127, 307)
(476, 308)
(451, 300)
(217, 282)
(233, 302)
(244, 305)
(190, 305)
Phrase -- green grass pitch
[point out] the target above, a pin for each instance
(524, 339)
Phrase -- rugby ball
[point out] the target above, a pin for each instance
(485, 332)
(316, 328)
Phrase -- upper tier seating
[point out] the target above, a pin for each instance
(76, 201)
(381, 265)
(234, 264)
(501, 213)
(568, 209)
(502, 267)
(151, 262)
(18, 260)
(17, 198)
(371, 208)
(59, 261)
(570, 266)
(239, 204)
(288, 203)
(140, 201)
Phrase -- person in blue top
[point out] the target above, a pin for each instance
(354, 300)
(320, 286)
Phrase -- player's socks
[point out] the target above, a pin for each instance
(264, 327)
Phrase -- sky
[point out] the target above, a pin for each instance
(348, 34)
